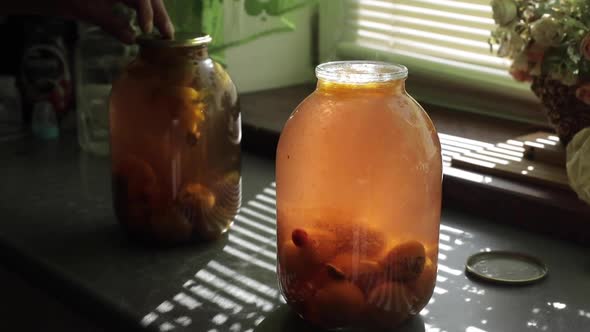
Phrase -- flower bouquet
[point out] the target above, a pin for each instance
(549, 43)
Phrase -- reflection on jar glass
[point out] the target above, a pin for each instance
(175, 143)
(359, 186)
(100, 59)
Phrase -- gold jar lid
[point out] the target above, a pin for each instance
(181, 39)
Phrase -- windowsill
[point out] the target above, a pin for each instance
(532, 206)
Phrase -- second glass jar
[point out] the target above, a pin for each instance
(359, 175)
(175, 132)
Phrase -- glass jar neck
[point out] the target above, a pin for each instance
(394, 87)
(172, 55)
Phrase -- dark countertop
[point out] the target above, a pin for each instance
(58, 231)
(57, 213)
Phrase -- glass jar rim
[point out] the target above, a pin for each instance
(358, 72)
(180, 40)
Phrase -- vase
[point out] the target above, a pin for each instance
(566, 113)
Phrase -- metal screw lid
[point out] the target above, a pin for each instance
(506, 267)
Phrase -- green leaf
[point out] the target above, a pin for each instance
(288, 23)
(553, 58)
(212, 19)
(208, 16)
(283, 7)
(254, 7)
(212, 24)
(573, 51)
(185, 14)
(584, 70)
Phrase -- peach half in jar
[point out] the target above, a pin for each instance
(364, 273)
(388, 304)
(346, 288)
(316, 245)
(136, 192)
(350, 234)
(171, 226)
(405, 261)
(340, 303)
(421, 288)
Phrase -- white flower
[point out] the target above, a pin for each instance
(510, 42)
(529, 14)
(578, 164)
(504, 11)
(516, 43)
(547, 32)
(585, 47)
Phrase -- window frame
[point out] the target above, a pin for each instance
(464, 89)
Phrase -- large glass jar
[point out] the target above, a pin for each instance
(175, 143)
(359, 175)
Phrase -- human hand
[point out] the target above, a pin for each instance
(150, 13)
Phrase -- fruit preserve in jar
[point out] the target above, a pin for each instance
(175, 132)
(359, 175)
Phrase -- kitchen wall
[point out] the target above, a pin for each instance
(277, 60)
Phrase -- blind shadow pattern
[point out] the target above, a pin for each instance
(238, 289)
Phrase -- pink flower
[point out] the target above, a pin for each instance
(583, 93)
(535, 57)
(585, 47)
(520, 75)
(536, 53)
(520, 69)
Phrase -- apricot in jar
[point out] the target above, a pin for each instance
(355, 236)
(388, 304)
(405, 261)
(364, 273)
(421, 288)
(339, 304)
(171, 226)
(317, 245)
